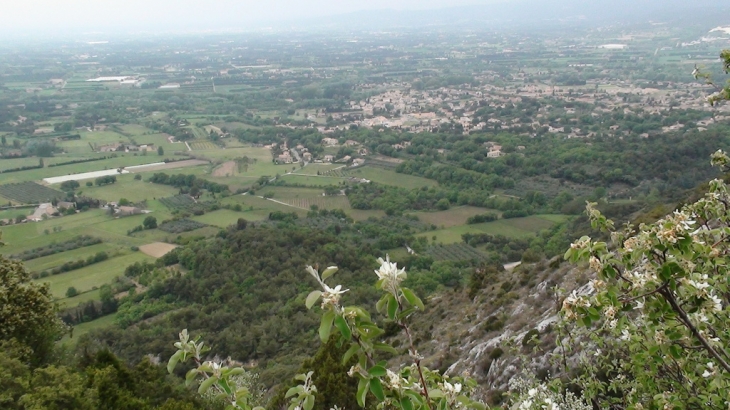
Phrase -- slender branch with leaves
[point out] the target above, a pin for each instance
(411, 387)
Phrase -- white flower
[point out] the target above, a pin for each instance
(394, 381)
(390, 274)
(710, 371)
(331, 297)
(716, 303)
(595, 264)
(532, 392)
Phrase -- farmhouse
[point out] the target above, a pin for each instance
(329, 158)
(42, 212)
(329, 142)
(127, 210)
(66, 205)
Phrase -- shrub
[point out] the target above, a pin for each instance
(528, 339)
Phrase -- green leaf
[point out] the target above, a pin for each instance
(377, 389)
(312, 298)
(344, 328)
(292, 391)
(205, 385)
(412, 298)
(392, 307)
(190, 376)
(174, 359)
(348, 354)
(377, 371)
(381, 303)
(362, 391)
(406, 403)
(593, 313)
(477, 406)
(236, 371)
(385, 348)
(435, 394)
(326, 326)
(329, 272)
(675, 351)
(309, 403)
(670, 269)
(406, 312)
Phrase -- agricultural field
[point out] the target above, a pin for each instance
(184, 203)
(91, 276)
(29, 193)
(129, 188)
(515, 228)
(58, 259)
(305, 197)
(319, 169)
(181, 225)
(157, 249)
(10, 163)
(313, 180)
(202, 145)
(455, 252)
(453, 216)
(84, 328)
(389, 177)
(262, 207)
(220, 218)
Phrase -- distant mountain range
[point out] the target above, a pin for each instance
(528, 13)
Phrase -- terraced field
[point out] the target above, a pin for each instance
(199, 145)
(29, 193)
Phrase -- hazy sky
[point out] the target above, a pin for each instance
(79, 15)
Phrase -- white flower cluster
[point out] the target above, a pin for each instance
(451, 393)
(390, 275)
(528, 394)
(572, 301)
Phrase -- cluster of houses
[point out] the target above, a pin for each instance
(120, 147)
(408, 109)
(301, 153)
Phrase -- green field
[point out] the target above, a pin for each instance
(221, 218)
(313, 180)
(94, 294)
(95, 222)
(314, 168)
(515, 228)
(262, 207)
(129, 188)
(453, 216)
(52, 261)
(91, 276)
(305, 197)
(84, 328)
(388, 177)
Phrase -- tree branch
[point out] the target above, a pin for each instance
(685, 319)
